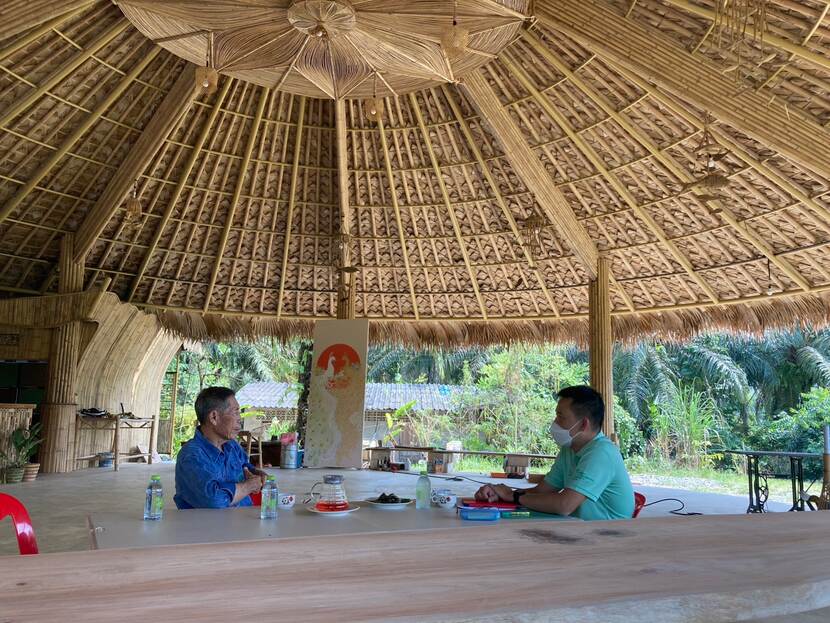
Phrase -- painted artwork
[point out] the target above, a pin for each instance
(334, 431)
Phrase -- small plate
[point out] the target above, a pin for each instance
(390, 505)
(352, 508)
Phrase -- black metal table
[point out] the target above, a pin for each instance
(759, 491)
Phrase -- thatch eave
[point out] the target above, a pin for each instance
(753, 317)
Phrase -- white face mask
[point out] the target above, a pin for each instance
(562, 436)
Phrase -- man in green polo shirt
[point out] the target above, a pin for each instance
(588, 479)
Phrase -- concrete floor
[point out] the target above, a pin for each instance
(59, 503)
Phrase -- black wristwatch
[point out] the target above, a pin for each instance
(517, 494)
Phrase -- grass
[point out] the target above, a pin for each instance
(708, 480)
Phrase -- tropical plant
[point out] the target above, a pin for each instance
(24, 443)
(400, 365)
(279, 426)
(396, 421)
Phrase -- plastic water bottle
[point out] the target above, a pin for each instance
(154, 501)
(423, 491)
(270, 497)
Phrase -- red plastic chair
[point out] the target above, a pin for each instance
(11, 506)
(639, 502)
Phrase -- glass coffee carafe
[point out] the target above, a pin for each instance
(332, 495)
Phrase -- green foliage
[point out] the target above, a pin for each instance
(797, 430)
(184, 427)
(433, 428)
(279, 426)
(630, 436)
(24, 443)
(673, 402)
(389, 364)
(683, 428)
(395, 422)
(516, 399)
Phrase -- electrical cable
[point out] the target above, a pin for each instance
(676, 511)
(450, 478)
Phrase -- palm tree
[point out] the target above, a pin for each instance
(644, 374)
(391, 364)
(783, 365)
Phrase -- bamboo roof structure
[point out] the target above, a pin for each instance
(221, 162)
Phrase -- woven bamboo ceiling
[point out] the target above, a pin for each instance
(485, 187)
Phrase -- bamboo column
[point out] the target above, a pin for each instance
(60, 408)
(601, 341)
(346, 289)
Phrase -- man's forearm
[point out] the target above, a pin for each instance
(552, 502)
(241, 491)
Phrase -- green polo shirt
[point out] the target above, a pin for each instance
(597, 471)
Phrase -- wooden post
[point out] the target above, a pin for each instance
(116, 442)
(59, 410)
(601, 341)
(174, 396)
(154, 437)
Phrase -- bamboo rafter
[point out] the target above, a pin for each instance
(244, 226)
(657, 58)
(669, 162)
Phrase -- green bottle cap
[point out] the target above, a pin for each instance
(270, 478)
(155, 477)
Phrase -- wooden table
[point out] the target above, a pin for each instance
(120, 529)
(115, 423)
(666, 570)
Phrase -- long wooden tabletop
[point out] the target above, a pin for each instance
(181, 527)
(714, 568)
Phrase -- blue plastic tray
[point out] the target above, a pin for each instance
(479, 514)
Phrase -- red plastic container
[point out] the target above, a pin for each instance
(256, 498)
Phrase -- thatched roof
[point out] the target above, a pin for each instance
(586, 114)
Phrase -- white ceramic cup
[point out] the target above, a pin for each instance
(447, 500)
(437, 494)
(286, 500)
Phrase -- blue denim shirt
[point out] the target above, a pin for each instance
(206, 477)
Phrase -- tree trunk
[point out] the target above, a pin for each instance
(304, 379)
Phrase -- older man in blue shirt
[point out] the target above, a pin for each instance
(212, 469)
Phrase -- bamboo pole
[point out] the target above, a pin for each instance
(59, 408)
(601, 341)
(413, 100)
(177, 192)
(658, 59)
(672, 165)
(174, 395)
(346, 286)
(292, 199)
(240, 181)
(393, 194)
(164, 121)
(19, 15)
(531, 171)
(55, 157)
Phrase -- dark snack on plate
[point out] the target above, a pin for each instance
(390, 498)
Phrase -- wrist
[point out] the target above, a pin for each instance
(517, 496)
